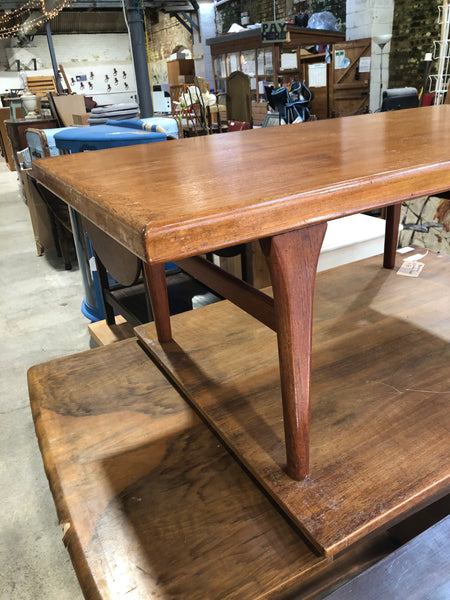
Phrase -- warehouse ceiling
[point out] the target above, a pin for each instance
(108, 4)
(88, 20)
(99, 16)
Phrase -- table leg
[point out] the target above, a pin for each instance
(292, 259)
(102, 274)
(155, 277)
(391, 235)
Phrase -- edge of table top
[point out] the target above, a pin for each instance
(186, 197)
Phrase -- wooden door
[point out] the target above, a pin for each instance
(351, 77)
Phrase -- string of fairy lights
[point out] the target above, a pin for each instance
(34, 12)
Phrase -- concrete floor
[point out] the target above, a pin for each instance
(40, 320)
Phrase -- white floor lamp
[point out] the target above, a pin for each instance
(381, 41)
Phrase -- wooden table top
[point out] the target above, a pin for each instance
(186, 197)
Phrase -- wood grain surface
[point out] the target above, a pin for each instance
(151, 504)
(167, 201)
(380, 417)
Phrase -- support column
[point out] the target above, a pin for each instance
(369, 19)
(51, 49)
(135, 23)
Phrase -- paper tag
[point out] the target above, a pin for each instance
(415, 257)
(405, 249)
(411, 268)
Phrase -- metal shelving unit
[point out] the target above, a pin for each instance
(441, 52)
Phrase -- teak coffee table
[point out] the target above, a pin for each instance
(173, 202)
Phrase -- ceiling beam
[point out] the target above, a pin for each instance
(185, 5)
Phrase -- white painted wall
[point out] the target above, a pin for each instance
(92, 56)
(202, 52)
(82, 55)
(369, 18)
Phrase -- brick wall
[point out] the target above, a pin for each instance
(337, 7)
(414, 30)
(166, 34)
(230, 13)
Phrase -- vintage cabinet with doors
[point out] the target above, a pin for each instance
(307, 54)
(303, 56)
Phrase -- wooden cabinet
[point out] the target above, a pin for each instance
(5, 146)
(305, 55)
(16, 134)
(175, 68)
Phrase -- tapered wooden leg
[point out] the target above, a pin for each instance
(292, 259)
(104, 286)
(155, 277)
(391, 235)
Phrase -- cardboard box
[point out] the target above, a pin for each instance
(178, 67)
(79, 120)
(69, 105)
(259, 112)
(188, 79)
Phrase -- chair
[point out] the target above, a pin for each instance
(60, 222)
(118, 283)
(246, 255)
(238, 102)
(400, 98)
(192, 117)
(301, 92)
(118, 271)
(239, 118)
(238, 98)
(41, 85)
(290, 106)
(238, 125)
